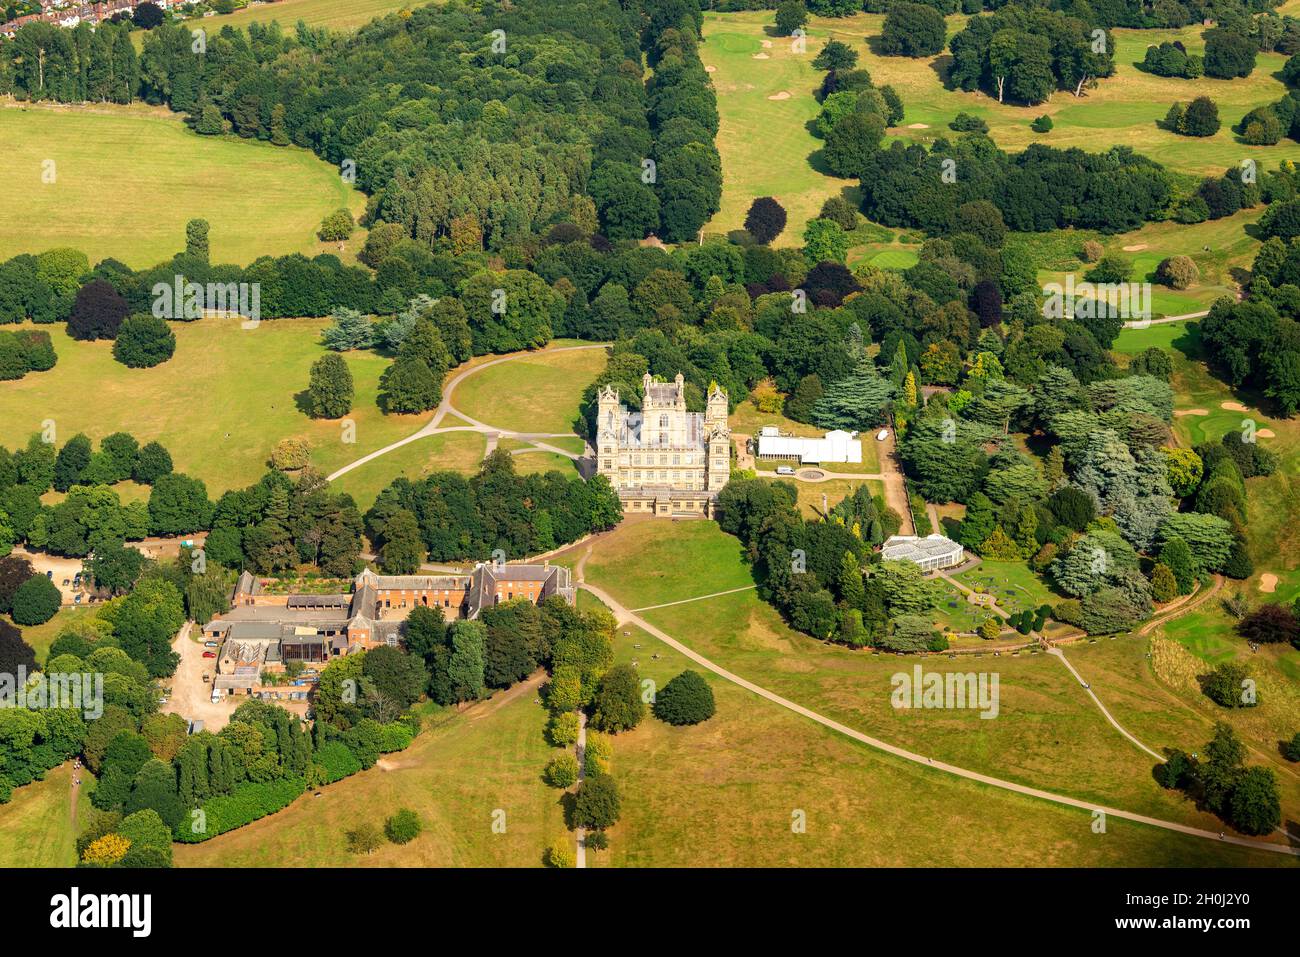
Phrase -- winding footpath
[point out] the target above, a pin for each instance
(434, 426)
(624, 615)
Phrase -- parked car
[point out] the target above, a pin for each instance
(207, 678)
(77, 600)
(209, 644)
(65, 583)
(882, 435)
(784, 470)
(209, 654)
(50, 575)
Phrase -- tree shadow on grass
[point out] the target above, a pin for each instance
(568, 805)
(817, 160)
(942, 66)
(1189, 343)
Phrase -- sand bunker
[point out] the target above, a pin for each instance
(1192, 412)
(1266, 434)
(1233, 407)
(710, 69)
(760, 56)
(1268, 582)
(918, 126)
(783, 95)
(767, 44)
(1135, 248)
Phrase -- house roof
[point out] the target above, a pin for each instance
(835, 446)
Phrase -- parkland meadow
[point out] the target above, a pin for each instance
(219, 405)
(259, 199)
(813, 798)
(334, 14)
(766, 100)
(1048, 733)
(468, 768)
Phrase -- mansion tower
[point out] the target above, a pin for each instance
(662, 459)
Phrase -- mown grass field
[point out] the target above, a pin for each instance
(539, 392)
(335, 14)
(765, 143)
(446, 451)
(464, 767)
(259, 199)
(219, 404)
(1048, 733)
(35, 826)
(529, 459)
(1014, 585)
(40, 637)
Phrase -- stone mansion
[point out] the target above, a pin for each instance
(663, 460)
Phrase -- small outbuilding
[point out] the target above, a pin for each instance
(835, 446)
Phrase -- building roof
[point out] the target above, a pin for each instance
(915, 549)
(318, 601)
(332, 616)
(630, 430)
(835, 446)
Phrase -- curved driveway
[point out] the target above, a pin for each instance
(446, 406)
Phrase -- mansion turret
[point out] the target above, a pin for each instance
(662, 459)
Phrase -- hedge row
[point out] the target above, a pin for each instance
(244, 805)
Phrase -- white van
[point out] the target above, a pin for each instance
(784, 470)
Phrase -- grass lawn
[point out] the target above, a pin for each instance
(219, 405)
(335, 14)
(813, 496)
(1222, 250)
(35, 826)
(954, 612)
(536, 393)
(446, 451)
(1016, 586)
(1048, 732)
(457, 773)
(259, 199)
(529, 463)
(694, 559)
(747, 420)
(1203, 639)
(40, 637)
